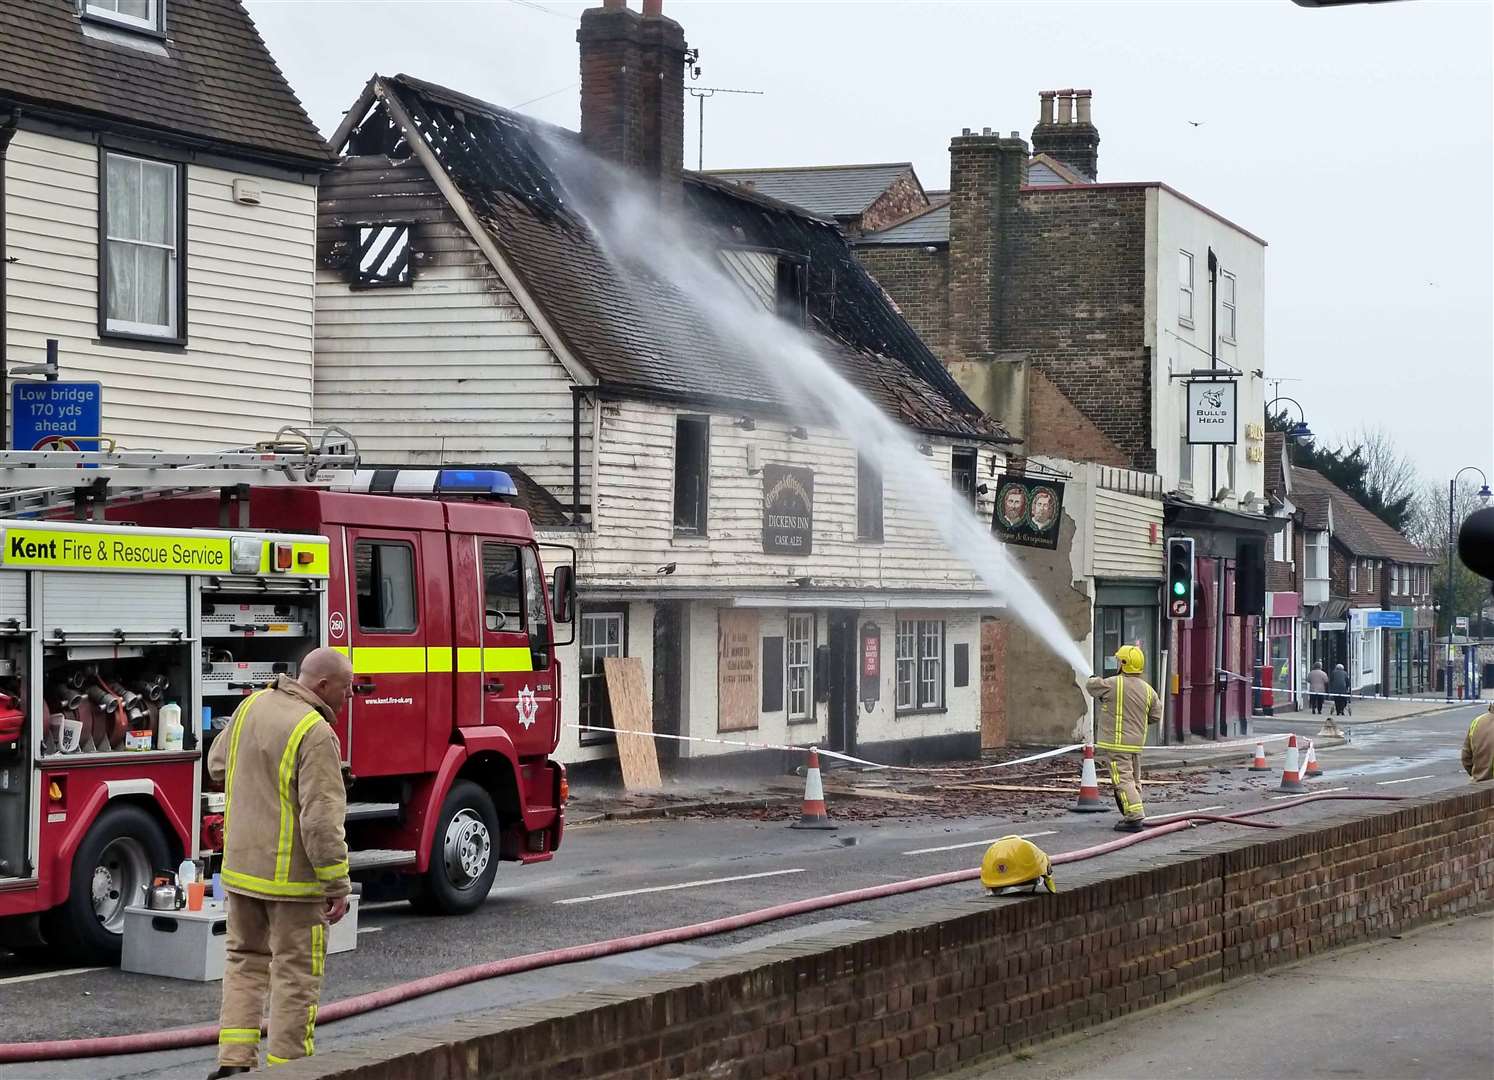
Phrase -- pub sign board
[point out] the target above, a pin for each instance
(1213, 419)
(1028, 510)
(788, 510)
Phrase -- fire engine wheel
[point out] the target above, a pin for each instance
(464, 853)
(112, 867)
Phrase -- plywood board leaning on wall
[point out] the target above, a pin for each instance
(628, 693)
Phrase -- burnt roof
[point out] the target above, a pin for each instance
(835, 190)
(1354, 524)
(637, 334)
(217, 82)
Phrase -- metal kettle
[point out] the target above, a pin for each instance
(162, 894)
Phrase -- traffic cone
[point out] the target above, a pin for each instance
(1310, 768)
(1291, 778)
(1259, 764)
(1089, 786)
(813, 815)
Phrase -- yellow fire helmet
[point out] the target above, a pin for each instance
(1132, 660)
(1012, 862)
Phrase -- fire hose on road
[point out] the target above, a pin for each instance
(207, 1034)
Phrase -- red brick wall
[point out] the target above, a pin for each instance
(1054, 425)
(917, 281)
(902, 197)
(967, 980)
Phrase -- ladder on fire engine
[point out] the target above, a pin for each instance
(42, 483)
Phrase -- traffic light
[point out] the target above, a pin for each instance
(1250, 577)
(1180, 577)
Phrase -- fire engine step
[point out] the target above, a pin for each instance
(378, 858)
(372, 811)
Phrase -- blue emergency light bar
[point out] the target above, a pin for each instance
(493, 482)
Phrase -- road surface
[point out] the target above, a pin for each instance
(1421, 1006)
(621, 878)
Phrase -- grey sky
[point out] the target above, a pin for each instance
(1358, 141)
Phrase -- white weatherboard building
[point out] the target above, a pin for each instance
(770, 588)
(164, 237)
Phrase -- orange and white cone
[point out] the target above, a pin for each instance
(1311, 768)
(1089, 786)
(1259, 764)
(813, 815)
(1291, 777)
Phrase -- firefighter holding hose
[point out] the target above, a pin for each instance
(285, 858)
(1127, 705)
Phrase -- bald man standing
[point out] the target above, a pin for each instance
(285, 859)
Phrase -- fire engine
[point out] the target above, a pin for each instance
(174, 599)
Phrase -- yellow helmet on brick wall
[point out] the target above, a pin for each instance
(1012, 862)
(1132, 660)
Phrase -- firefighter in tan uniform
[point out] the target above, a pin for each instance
(1127, 705)
(285, 860)
(1478, 747)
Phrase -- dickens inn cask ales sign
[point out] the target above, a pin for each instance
(788, 510)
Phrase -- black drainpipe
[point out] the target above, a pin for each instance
(7, 132)
(1213, 360)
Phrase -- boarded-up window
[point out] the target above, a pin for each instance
(962, 664)
(868, 499)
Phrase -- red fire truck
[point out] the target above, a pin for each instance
(192, 597)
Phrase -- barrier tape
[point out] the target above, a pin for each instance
(1395, 700)
(746, 744)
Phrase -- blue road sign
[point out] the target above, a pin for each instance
(1385, 620)
(56, 415)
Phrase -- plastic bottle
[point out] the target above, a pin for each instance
(172, 732)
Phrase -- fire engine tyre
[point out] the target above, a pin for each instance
(116, 860)
(464, 853)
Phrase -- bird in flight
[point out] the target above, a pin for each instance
(1195, 123)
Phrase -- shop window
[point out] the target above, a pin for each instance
(384, 571)
(920, 665)
(601, 634)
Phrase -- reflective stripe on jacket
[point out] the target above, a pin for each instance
(1478, 747)
(1127, 705)
(285, 803)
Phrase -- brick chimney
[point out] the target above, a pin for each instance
(1071, 136)
(985, 173)
(632, 87)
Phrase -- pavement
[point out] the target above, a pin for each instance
(623, 877)
(1421, 1005)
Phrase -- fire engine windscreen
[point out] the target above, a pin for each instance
(641, 242)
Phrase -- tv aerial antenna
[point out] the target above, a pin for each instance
(700, 93)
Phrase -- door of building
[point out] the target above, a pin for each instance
(668, 647)
(842, 681)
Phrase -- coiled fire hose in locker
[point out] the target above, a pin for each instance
(207, 1034)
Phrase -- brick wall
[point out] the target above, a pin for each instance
(1055, 426)
(903, 196)
(985, 175)
(1075, 262)
(970, 978)
(917, 280)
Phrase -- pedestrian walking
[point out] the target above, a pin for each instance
(1478, 747)
(1317, 686)
(285, 859)
(1127, 705)
(1338, 686)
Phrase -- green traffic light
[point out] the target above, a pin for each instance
(1179, 588)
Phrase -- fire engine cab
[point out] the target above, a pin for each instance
(127, 642)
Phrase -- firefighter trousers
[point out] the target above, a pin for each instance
(1125, 780)
(276, 948)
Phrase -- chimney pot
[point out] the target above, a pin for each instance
(1082, 100)
(1016, 134)
(1045, 106)
(985, 131)
(964, 131)
(652, 7)
(1066, 106)
(614, 3)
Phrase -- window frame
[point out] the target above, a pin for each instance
(1185, 288)
(807, 666)
(154, 24)
(358, 278)
(791, 288)
(972, 455)
(1353, 576)
(1228, 325)
(919, 637)
(177, 305)
(387, 541)
(701, 526)
(868, 476)
(596, 738)
(483, 544)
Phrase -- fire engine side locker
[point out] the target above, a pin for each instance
(19, 807)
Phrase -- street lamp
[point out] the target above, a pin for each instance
(1298, 432)
(1452, 495)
